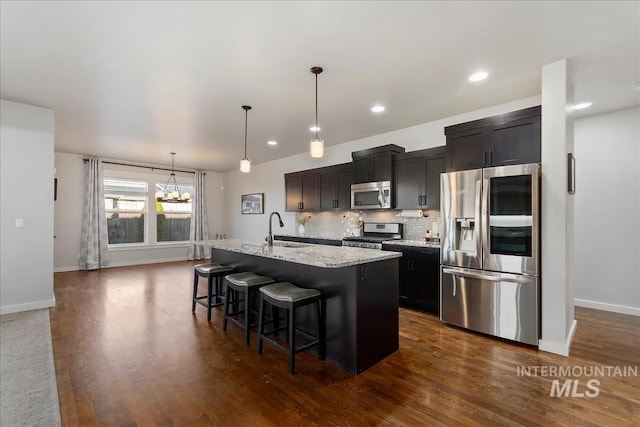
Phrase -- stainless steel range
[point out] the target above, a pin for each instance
(374, 233)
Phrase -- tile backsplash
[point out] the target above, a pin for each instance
(338, 224)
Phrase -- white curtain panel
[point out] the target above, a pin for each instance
(199, 229)
(95, 238)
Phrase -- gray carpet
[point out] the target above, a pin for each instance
(28, 391)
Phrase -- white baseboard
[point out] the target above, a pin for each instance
(63, 269)
(15, 308)
(559, 348)
(125, 263)
(622, 309)
(146, 261)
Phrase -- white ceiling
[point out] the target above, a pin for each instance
(136, 80)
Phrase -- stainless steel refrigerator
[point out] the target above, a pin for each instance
(490, 272)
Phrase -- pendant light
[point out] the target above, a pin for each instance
(174, 196)
(245, 164)
(316, 145)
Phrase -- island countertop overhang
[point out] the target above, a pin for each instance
(309, 254)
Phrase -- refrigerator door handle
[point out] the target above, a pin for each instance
(478, 229)
(486, 229)
(501, 277)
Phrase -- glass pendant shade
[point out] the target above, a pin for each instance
(245, 165)
(316, 147)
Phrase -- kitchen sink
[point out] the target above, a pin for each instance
(291, 244)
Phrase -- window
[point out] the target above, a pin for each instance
(173, 220)
(125, 205)
(135, 218)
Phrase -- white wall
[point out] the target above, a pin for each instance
(68, 216)
(26, 191)
(558, 324)
(607, 249)
(268, 178)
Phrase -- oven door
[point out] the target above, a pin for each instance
(511, 219)
(371, 195)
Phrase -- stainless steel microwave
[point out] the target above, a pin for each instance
(371, 195)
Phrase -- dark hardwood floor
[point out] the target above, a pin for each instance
(128, 351)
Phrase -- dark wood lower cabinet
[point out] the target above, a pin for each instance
(418, 277)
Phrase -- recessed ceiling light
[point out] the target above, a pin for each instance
(377, 108)
(479, 76)
(272, 142)
(314, 129)
(582, 106)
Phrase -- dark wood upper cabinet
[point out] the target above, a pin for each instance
(345, 179)
(507, 139)
(418, 178)
(361, 169)
(375, 164)
(293, 192)
(516, 142)
(435, 166)
(335, 187)
(301, 190)
(410, 178)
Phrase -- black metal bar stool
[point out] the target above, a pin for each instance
(246, 284)
(210, 271)
(290, 297)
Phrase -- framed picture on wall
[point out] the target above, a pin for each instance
(252, 203)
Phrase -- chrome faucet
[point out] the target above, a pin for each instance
(269, 238)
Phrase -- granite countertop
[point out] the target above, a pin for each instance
(304, 253)
(418, 243)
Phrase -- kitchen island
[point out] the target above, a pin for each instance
(359, 287)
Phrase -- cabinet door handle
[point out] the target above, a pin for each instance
(425, 199)
(490, 156)
(335, 203)
(484, 158)
(363, 272)
(419, 200)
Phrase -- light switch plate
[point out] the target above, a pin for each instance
(19, 222)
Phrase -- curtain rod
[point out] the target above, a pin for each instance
(140, 166)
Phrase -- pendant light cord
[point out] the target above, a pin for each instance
(316, 106)
(246, 112)
(246, 109)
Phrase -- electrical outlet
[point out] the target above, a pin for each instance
(19, 222)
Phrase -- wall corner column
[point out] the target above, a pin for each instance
(558, 323)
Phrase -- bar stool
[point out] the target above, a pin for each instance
(290, 297)
(210, 271)
(242, 283)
